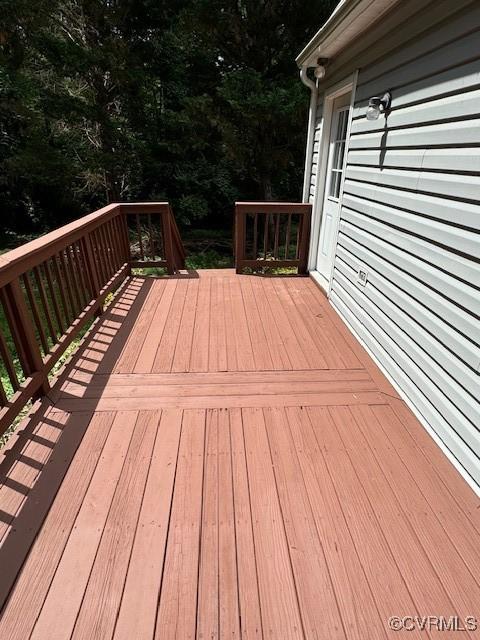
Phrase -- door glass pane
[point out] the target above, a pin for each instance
(338, 152)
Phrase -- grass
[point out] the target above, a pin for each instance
(207, 249)
(20, 374)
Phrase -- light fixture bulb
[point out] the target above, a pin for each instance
(319, 72)
(377, 105)
(373, 112)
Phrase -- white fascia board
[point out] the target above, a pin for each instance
(349, 19)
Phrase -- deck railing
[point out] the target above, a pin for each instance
(154, 237)
(52, 287)
(271, 235)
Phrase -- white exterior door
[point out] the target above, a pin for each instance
(331, 200)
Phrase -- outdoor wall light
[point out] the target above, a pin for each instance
(377, 105)
(321, 68)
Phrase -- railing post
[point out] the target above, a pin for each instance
(23, 334)
(304, 242)
(240, 225)
(168, 242)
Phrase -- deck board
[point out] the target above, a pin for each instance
(65, 595)
(223, 460)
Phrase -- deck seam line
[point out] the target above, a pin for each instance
(234, 512)
(200, 528)
(189, 363)
(167, 534)
(247, 474)
(280, 506)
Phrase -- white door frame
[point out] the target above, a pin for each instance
(345, 86)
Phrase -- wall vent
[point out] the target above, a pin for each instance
(362, 277)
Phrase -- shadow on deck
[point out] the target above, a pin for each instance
(222, 459)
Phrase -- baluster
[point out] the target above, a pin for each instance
(53, 297)
(161, 239)
(68, 285)
(139, 234)
(112, 237)
(265, 236)
(80, 262)
(8, 362)
(126, 239)
(255, 235)
(287, 236)
(23, 333)
(115, 231)
(35, 313)
(150, 234)
(3, 395)
(277, 233)
(297, 244)
(44, 300)
(61, 291)
(100, 256)
(91, 265)
(107, 253)
(73, 278)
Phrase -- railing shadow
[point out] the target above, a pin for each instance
(33, 467)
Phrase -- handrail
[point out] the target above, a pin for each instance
(18, 260)
(272, 235)
(51, 287)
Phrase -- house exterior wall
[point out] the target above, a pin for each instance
(410, 213)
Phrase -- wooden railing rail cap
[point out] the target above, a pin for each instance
(52, 238)
(272, 207)
(145, 207)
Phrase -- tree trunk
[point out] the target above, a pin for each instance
(266, 184)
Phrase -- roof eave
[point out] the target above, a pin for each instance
(349, 19)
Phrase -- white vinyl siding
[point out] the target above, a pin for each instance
(410, 218)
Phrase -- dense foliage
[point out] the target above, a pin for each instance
(194, 101)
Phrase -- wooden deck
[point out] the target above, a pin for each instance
(223, 460)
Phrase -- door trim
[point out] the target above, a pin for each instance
(345, 86)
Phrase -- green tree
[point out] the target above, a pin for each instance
(260, 105)
(194, 101)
